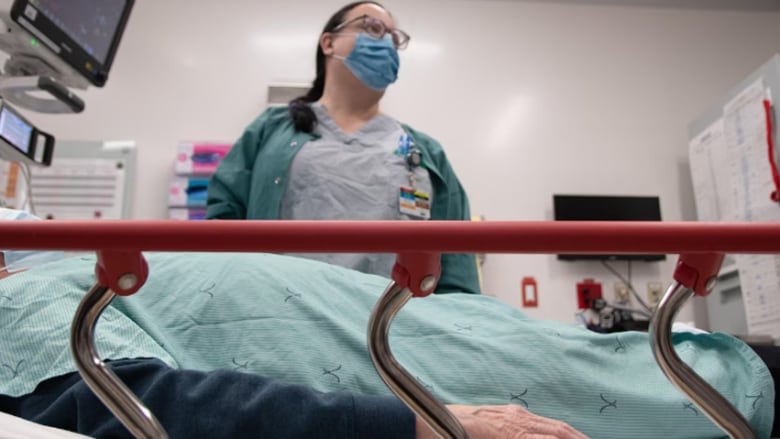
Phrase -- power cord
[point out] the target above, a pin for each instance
(28, 185)
(604, 304)
(628, 283)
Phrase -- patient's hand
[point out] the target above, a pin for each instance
(503, 422)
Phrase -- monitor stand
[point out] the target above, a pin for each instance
(42, 94)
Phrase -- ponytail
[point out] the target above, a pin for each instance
(302, 115)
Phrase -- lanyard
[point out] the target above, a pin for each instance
(412, 155)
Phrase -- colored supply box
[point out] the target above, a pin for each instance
(195, 158)
(188, 192)
(187, 213)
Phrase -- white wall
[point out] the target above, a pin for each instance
(529, 99)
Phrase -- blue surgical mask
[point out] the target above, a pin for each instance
(374, 62)
(19, 260)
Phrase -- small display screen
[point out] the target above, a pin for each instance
(15, 130)
(90, 23)
(607, 208)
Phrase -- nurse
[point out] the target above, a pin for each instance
(333, 155)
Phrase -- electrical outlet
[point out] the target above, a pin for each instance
(655, 291)
(622, 294)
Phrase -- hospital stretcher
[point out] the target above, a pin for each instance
(122, 270)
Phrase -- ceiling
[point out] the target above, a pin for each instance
(736, 5)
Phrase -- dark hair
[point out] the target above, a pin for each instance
(302, 115)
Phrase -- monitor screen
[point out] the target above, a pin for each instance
(85, 34)
(607, 208)
(92, 24)
(14, 130)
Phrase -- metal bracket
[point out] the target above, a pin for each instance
(695, 274)
(699, 272)
(414, 275)
(419, 272)
(123, 272)
(24, 91)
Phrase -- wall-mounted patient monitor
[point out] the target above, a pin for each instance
(54, 46)
(83, 33)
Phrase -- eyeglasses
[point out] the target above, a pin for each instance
(378, 29)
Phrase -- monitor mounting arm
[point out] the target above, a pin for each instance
(34, 77)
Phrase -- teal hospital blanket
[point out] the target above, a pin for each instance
(305, 322)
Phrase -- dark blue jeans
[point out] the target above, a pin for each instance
(222, 404)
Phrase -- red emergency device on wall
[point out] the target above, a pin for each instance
(587, 291)
(530, 292)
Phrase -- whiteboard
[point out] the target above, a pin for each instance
(732, 181)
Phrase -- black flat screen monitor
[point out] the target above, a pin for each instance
(607, 208)
(84, 33)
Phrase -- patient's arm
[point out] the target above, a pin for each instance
(504, 422)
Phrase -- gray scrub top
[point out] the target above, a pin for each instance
(351, 177)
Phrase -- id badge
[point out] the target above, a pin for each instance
(414, 203)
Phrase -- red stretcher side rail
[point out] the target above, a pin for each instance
(121, 269)
(394, 236)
